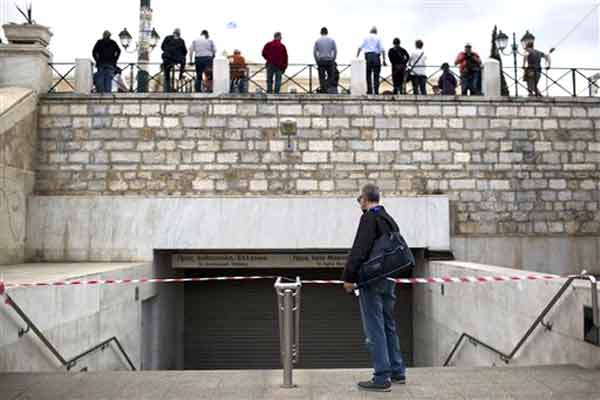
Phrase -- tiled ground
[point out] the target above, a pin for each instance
(560, 382)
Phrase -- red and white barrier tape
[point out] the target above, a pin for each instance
(428, 280)
(450, 279)
(94, 282)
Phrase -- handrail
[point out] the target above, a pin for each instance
(302, 78)
(538, 321)
(68, 364)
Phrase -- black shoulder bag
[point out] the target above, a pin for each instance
(390, 257)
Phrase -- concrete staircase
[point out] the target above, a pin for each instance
(550, 382)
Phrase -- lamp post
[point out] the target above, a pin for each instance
(148, 40)
(502, 44)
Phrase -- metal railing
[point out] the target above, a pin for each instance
(288, 306)
(304, 79)
(67, 363)
(575, 82)
(507, 357)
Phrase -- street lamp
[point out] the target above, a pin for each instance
(502, 44)
(148, 40)
(126, 39)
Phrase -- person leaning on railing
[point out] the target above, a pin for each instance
(374, 52)
(174, 53)
(469, 64)
(106, 54)
(239, 72)
(399, 59)
(417, 69)
(532, 66)
(276, 56)
(202, 54)
(325, 53)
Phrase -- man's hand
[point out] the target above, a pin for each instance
(349, 287)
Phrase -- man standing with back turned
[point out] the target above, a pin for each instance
(325, 53)
(276, 56)
(374, 52)
(106, 53)
(377, 299)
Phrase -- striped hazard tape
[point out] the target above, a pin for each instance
(428, 280)
(451, 279)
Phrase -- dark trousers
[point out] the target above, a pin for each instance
(202, 64)
(273, 74)
(326, 76)
(398, 74)
(104, 77)
(419, 83)
(168, 71)
(471, 83)
(239, 85)
(532, 77)
(373, 72)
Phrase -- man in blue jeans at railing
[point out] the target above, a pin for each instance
(106, 53)
(376, 300)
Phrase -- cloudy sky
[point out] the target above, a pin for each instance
(444, 25)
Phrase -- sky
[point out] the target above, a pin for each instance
(444, 25)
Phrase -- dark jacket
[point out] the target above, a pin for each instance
(106, 51)
(276, 54)
(398, 56)
(174, 50)
(368, 232)
(447, 83)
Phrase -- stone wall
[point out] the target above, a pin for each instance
(510, 167)
(18, 136)
(499, 314)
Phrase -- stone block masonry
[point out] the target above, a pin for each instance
(510, 167)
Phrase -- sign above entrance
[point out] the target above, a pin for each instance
(254, 260)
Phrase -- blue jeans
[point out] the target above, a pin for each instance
(471, 83)
(273, 72)
(104, 77)
(202, 63)
(377, 311)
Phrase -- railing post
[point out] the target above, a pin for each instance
(574, 78)
(310, 79)
(83, 76)
(131, 76)
(288, 306)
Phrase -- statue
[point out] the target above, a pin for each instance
(495, 54)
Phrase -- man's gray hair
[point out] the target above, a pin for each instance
(177, 32)
(370, 192)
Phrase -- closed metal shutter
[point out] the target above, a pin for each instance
(233, 325)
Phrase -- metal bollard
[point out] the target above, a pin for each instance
(288, 305)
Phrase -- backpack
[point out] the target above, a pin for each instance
(390, 257)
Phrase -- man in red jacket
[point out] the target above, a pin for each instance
(276, 56)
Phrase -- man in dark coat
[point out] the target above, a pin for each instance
(399, 59)
(377, 299)
(106, 53)
(174, 53)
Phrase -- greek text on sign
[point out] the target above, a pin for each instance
(299, 260)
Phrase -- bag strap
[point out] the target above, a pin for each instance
(385, 226)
